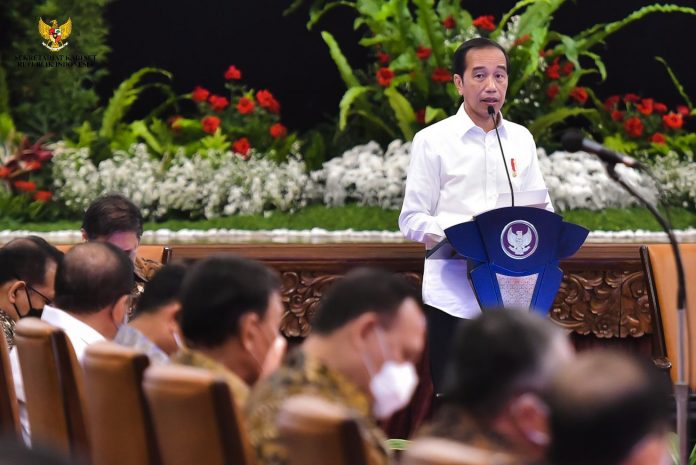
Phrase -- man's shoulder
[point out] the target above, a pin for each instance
(436, 130)
(516, 129)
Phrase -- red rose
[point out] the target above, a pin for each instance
(568, 68)
(631, 98)
(245, 105)
(218, 103)
(233, 73)
(658, 138)
(552, 90)
(645, 106)
(553, 71)
(200, 94)
(683, 110)
(611, 102)
(633, 126)
(484, 22)
(43, 196)
(383, 58)
(242, 147)
(617, 115)
(579, 94)
(660, 108)
(420, 116)
(385, 76)
(423, 52)
(32, 166)
(25, 186)
(673, 120)
(267, 101)
(522, 39)
(448, 22)
(4, 172)
(278, 130)
(441, 75)
(210, 124)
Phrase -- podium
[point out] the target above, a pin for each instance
(513, 255)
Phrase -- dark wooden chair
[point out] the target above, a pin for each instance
(9, 416)
(195, 417)
(121, 430)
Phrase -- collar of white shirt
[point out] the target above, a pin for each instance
(464, 123)
(81, 334)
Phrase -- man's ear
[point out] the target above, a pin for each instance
(361, 328)
(246, 325)
(84, 235)
(120, 309)
(458, 83)
(532, 415)
(13, 289)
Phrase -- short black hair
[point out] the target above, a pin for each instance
(218, 291)
(495, 356)
(607, 399)
(93, 275)
(360, 291)
(459, 59)
(161, 290)
(109, 214)
(26, 259)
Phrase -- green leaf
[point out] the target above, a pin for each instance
(124, 96)
(539, 125)
(316, 15)
(616, 142)
(377, 122)
(434, 114)
(85, 135)
(430, 23)
(598, 63)
(6, 126)
(405, 116)
(347, 102)
(506, 17)
(341, 63)
(675, 81)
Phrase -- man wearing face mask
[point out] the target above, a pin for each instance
(231, 311)
(154, 329)
(27, 278)
(367, 334)
(93, 284)
(501, 367)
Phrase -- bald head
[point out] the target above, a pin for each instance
(611, 400)
(92, 276)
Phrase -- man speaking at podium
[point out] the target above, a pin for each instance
(457, 171)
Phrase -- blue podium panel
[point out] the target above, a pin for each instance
(514, 255)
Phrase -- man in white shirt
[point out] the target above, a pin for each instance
(457, 172)
(93, 285)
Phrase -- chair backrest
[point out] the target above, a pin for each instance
(52, 379)
(9, 417)
(158, 253)
(317, 432)
(661, 274)
(436, 451)
(121, 430)
(195, 417)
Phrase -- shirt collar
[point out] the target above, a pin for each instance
(465, 123)
(65, 321)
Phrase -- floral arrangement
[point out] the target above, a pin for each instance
(202, 185)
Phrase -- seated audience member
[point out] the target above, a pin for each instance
(27, 277)
(231, 311)
(608, 408)
(366, 336)
(502, 363)
(115, 219)
(93, 284)
(154, 329)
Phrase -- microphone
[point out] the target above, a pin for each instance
(573, 141)
(491, 112)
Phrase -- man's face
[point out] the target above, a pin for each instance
(125, 240)
(33, 295)
(405, 337)
(483, 83)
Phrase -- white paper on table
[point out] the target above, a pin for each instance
(535, 198)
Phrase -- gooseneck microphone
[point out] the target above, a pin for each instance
(491, 112)
(574, 141)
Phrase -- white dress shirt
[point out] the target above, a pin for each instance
(456, 172)
(80, 336)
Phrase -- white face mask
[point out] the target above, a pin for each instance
(393, 386)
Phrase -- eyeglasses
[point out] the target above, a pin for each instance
(47, 301)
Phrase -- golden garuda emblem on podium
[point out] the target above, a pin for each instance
(55, 35)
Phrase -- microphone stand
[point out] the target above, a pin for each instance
(681, 387)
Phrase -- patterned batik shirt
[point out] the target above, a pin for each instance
(8, 325)
(128, 336)
(301, 374)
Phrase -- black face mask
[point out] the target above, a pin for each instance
(33, 312)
